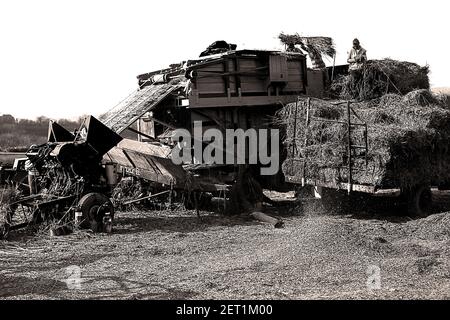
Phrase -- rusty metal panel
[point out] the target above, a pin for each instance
(147, 161)
(116, 155)
(156, 169)
(146, 148)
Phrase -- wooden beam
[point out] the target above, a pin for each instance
(164, 124)
(142, 134)
(147, 197)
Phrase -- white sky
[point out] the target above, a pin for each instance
(67, 58)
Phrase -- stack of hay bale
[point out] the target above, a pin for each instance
(408, 134)
(379, 77)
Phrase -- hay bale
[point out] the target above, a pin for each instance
(421, 98)
(408, 143)
(379, 77)
(390, 99)
(382, 117)
(328, 112)
(315, 47)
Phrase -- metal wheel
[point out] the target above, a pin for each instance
(97, 212)
(419, 201)
(335, 201)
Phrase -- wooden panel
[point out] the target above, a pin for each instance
(243, 101)
(253, 84)
(278, 68)
(297, 83)
(218, 86)
(253, 87)
(296, 72)
(207, 80)
(233, 85)
(294, 86)
(249, 64)
(203, 81)
(315, 83)
(294, 64)
(211, 87)
(294, 78)
(231, 65)
(213, 67)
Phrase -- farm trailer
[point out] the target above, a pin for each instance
(337, 186)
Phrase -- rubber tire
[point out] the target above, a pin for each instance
(335, 201)
(89, 205)
(419, 201)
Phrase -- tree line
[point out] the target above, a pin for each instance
(19, 134)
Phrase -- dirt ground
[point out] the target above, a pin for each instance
(176, 255)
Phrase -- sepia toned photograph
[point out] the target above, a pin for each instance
(234, 151)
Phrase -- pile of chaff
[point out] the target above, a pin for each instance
(408, 141)
(380, 77)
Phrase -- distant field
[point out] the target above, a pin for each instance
(444, 90)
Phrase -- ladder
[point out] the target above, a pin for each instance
(352, 145)
(137, 104)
